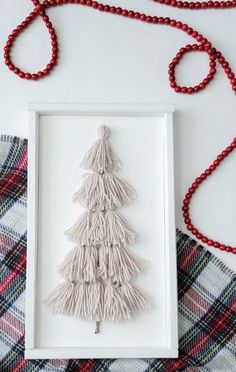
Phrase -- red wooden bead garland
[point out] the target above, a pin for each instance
(198, 5)
(203, 46)
(192, 190)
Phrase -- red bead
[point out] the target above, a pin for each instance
(198, 180)
(101, 8)
(208, 172)
(177, 89)
(199, 37)
(46, 71)
(40, 74)
(224, 153)
(229, 149)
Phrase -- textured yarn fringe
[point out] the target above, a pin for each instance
(118, 264)
(96, 301)
(88, 300)
(104, 191)
(123, 301)
(61, 299)
(84, 300)
(80, 264)
(90, 263)
(101, 156)
(107, 227)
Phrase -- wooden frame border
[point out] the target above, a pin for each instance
(35, 111)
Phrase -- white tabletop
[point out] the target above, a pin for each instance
(110, 59)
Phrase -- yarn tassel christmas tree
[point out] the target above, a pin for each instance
(98, 270)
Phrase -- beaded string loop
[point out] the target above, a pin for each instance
(204, 45)
(212, 64)
(39, 10)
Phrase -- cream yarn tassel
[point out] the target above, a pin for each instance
(122, 301)
(101, 157)
(80, 264)
(118, 263)
(102, 261)
(98, 270)
(96, 227)
(61, 299)
(106, 191)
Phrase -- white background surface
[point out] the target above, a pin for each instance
(106, 58)
(146, 215)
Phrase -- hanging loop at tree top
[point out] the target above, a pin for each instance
(104, 132)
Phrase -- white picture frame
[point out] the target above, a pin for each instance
(170, 349)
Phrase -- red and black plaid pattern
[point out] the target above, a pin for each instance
(206, 289)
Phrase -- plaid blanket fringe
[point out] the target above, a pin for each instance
(206, 293)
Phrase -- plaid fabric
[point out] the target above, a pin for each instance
(206, 289)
